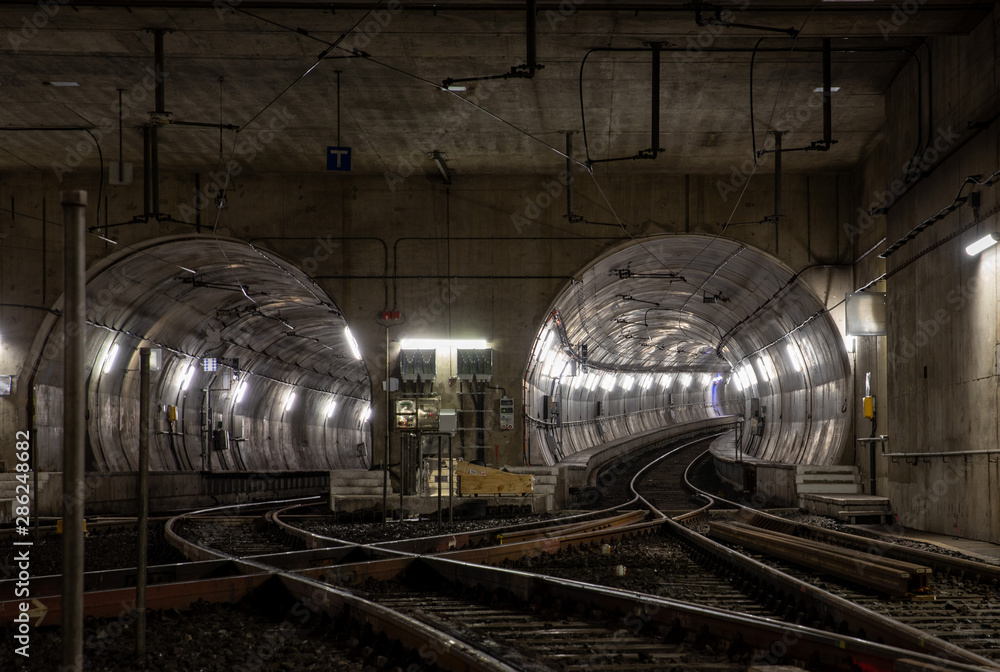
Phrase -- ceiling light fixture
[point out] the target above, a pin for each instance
(290, 402)
(241, 389)
(351, 341)
(109, 359)
(188, 375)
(330, 408)
(763, 369)
(60, 83)
(442, 344)
(983, 243)
(833, 89)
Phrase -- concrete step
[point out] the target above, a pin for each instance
(355, 475)
(865, 512)
(352, 491)
(828, 478)
(829, 488)
(828, 469)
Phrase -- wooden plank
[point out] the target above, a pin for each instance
(475, 479)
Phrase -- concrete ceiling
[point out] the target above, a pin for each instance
(393, 110)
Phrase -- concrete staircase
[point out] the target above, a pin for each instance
(356, 489)
(835, 491)
(544, 483)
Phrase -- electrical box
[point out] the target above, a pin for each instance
(171, 414)
(869, 407)
(406, 414)
(506, 413)
(476, 364)
(448, 421)
(429, 414)
(417, 365)
(239, 427)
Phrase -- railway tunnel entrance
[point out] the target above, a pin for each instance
(685, 328)
(257, 373)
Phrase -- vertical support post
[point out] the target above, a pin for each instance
(655, 146)
(438, 481)
(871, 466)
(142, 492)
(777, 175)
(388, 415)
(531, 38)
(338, 144)
(827, 96)
(147, 171)
(74, 421)
(154, 171)
(569, 176)
(159, 97)
(402, 472)
(159, 94)
(451, 484)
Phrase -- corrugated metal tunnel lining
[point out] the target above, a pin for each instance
(272, 333)
(682, 328)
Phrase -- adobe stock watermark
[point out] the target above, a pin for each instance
(901, 14)
(957, 299)
(566, 9)
(740, 174)
(911, 171)
(108, 124)
(535, 206)
(442, 137)
(705, 38)
(249, 145)
(30, 25)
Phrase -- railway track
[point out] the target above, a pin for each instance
(442, 594)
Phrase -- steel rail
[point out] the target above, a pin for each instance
(837, 610)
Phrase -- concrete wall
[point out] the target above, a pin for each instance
(935, 373)
(483, 258)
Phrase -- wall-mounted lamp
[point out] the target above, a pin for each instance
(109, 359)
(330, 408)
(982, 244)
(290, 402)
(188, 375)
(241, 390)
(351, 341)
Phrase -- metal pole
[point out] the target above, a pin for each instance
(569, 175)
(531, 38)
(154, 176)
(656, 100)
(402, 472)
(777, 175)
(439, 482)
(74, 421)
(451, 484)
(145, 426)
(871, 467)
(147, 171)
(159, 94)
(827, 96)
(338, 145)
(385, 451)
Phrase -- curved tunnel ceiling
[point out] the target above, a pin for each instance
(271, 330)
(681, 308)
